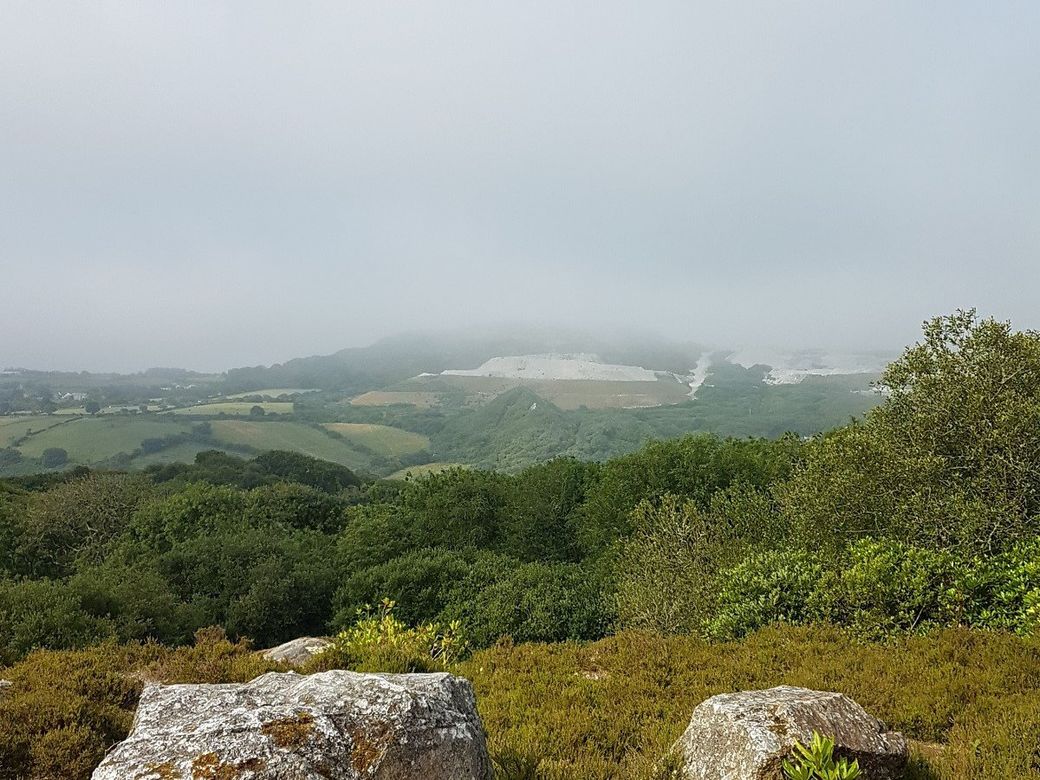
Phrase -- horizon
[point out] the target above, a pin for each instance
(647, 338)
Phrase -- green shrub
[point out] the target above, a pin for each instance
(886, 587)
(533, 602)
(75, 521)
(765, 588)
(44, 614)
(1003, 591)
(667, 570)
(380, 642)
(295, 506)
(419, 582)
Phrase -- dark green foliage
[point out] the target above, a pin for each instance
(458, 508)
(886, 587)
(374, 534)
(219, 468)
(44, 614)
(293, 505)
(75, 521)
(420, 582)
(952, 458)
(54, 457)
(541, 517)
(765, 588)
(531, 602)
(693, 468)
(296, 467)
(138, 603)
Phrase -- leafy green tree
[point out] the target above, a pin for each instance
(667, 570)
(137, 602)
(540, 517)
(374, 534)
(693, 467)
(457, 508)
(44, 613)
(420, 582)
(534, 602)
(297, 467)
(765, 588)
(74, 522)
(293, 505)
(951, 458)
(92, 407)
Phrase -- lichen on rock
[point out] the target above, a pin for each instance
(335, 725)
(747, 735)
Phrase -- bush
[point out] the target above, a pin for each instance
(293, 505)
(692, 467)
(44, 614)
(667, 569)
(74, 522)
(1003, 591)
(54, 457)
(765, 588)
(381, 642)
(885, 587)
(419, 582)
(297, 467)
(534, 602)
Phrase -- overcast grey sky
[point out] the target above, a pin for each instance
(227, 183)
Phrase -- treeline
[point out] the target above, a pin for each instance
(924, 514)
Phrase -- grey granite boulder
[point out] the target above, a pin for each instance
(335, 725)
(746, 736)
(297, 652)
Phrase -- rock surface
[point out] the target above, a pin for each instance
(297, 652)
(4, 685)
(335, 725)
(746, 736)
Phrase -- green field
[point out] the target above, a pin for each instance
(95, 439)
(424, 469)
(263, 436)
(275, 392)
(237, 407)
(381, 439)
(14, 428)
(179, 453)
(420, 400)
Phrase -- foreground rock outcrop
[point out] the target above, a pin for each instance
(335, 725)
(746, 736)
(297, 652)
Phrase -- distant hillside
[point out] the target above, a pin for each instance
(496, 399)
